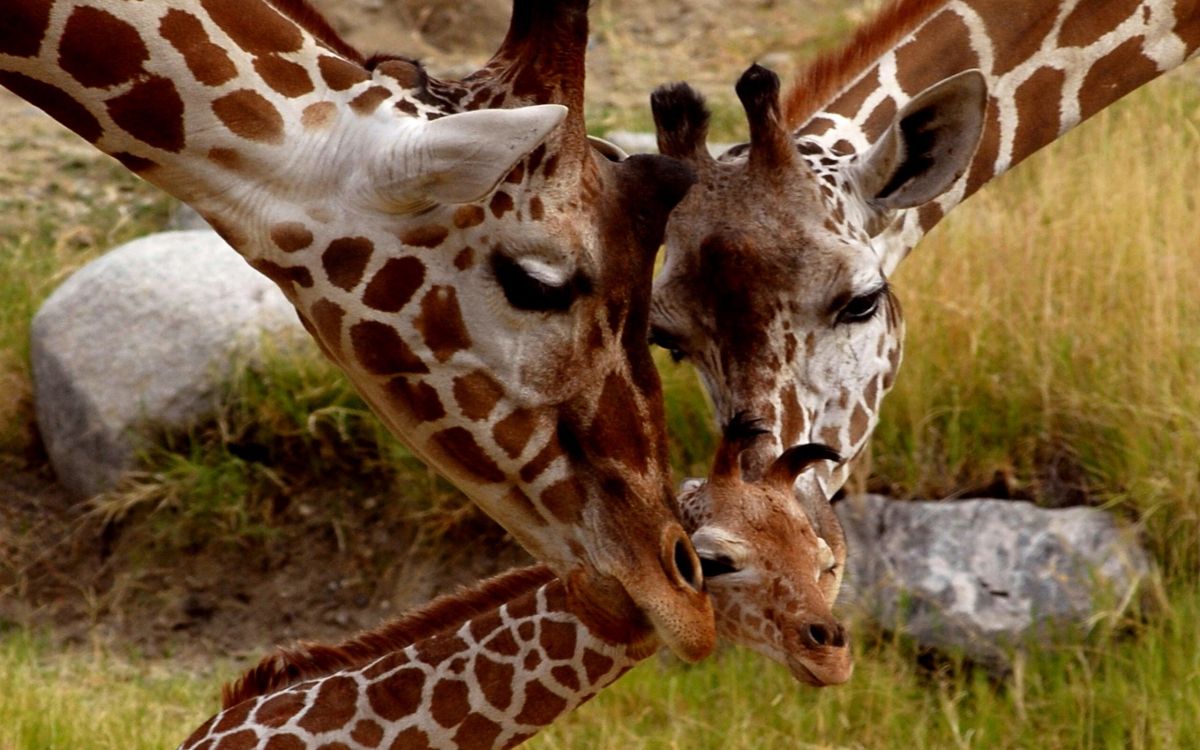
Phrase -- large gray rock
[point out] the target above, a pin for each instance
(141, 339)
(985, 576)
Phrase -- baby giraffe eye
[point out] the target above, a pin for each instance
(664, 340)
(535, 288)
(712, 567)
(862, 307)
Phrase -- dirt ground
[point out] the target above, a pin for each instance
(85, 580)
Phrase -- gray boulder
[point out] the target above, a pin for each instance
(637, 142)
(141, 340)
(986, 576)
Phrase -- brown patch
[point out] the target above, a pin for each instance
(550, 167)
(983, 165)
(794, 419)
(291, 236)
(516, 174)
(285, 742)
(403, 72)
(1084, 25)
(513, 432)
(284, 76)
(279, 710)
(341, 74)
(537, 211)
(929, 215)
(234, 717)
(848, 103)
(564, 500)
(100, 50)
(617, 430)
(477, 733)
(227, 158)
(501, 204)
(449, 704)
(541, 706)
(254, 26)
(243, 740)
(495, 679)
(319, 115)
(859, 423)
(1188, 29)
(345, 259)
(533, 659)
(55, 102)
(1017, 31)
(426, 235)
(398, 695)
(134, 163)
(880, 118)
(248, 114)
(411, 739)
(327, 317)
(542, 460)
(567, 677)
(558, 640)
(441, 324)
(468, 216)
(283, 276)
(417, 398)
(369, 100)
(333, 707)
(460, 447)
(381, 351)
(502, 643)
(209, 63)
(395, 284)
(1114, 75)
(151, 112)
(871, 393)
(914, 74)
(465, 259)
(1037, 101)
(367, 733)
(535, 157)
(24, 27)
(477, 394)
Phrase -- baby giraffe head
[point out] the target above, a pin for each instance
(772, 570)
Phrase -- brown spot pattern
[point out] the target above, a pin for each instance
(1037, 101)
(596, 665)
(558, 640)
(427, 235)
(502, 643)
(541, 706)
(254, 26)
(537, 210)
(914, 76)
(513, 432)
(397, 695)
(1088, 22)
(54, 102)
(100, 50)
(367, 733)
(209, 63)
(501, 204)
(248, 114)
(411, 739)
(567, 677)
(340, 74)
(234, 717)
(495, 679)
(369, 100)
(449, 704)
(441, 324)
(465, 259)
(477, 733)
(152, 112)
(468, 216)
(542, 460)
(461, 448)
(983, 165)
(395, 284)
(284, 76)
(243, 740)
(284, 276)
(318, 115)
(477, 393)
(564, 500)
(417, 398)
(1114, 75)
(345, 259)
(23, 26)
(381, 351)
(133, 162)
(291, 236)
(226, 157)
(1021, 29)
(405, 73)
(285, 742)
(333, 707)
(616, 431)
(277, 711)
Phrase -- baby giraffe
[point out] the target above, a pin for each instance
(490, 666)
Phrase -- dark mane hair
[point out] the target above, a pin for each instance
(818, 82)
(288, 666)
(311, 20)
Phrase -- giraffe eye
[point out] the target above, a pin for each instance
(863, 307)
(536, 288)
(712, 567)
(664, 340)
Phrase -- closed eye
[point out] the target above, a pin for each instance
(712, 567)
(660, 338)
(862, 307)
(525, 291)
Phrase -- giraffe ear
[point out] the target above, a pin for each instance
(929, 146)
(460, 158)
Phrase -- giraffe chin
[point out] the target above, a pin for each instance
(820, 676)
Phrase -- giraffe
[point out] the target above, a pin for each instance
(489, 667)
(777, 264)
(481, 275)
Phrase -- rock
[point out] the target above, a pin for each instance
(141, 339)
(633, 142)
(185, 217)
(985, 576)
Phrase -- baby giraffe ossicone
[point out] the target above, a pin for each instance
(490, 666)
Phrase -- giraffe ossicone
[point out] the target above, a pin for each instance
(397, 212)
(490, 666)
(775, 282)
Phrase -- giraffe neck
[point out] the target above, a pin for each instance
(467, 671)
(1049, 66)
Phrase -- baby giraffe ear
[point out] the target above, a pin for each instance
(929, 145)
(460, 158)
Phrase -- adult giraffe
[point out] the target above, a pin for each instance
(490, 666)
(775, 282)
(482, 277)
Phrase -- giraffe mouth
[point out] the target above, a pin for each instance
(817, 676)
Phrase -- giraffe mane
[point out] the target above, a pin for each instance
(821, 80)
(305, 661)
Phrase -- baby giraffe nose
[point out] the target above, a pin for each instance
(684, 565)
(822, 635)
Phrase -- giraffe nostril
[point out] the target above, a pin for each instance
(685, 564)
(818, 635)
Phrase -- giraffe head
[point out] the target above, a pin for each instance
(772, 284)
(773, 571)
